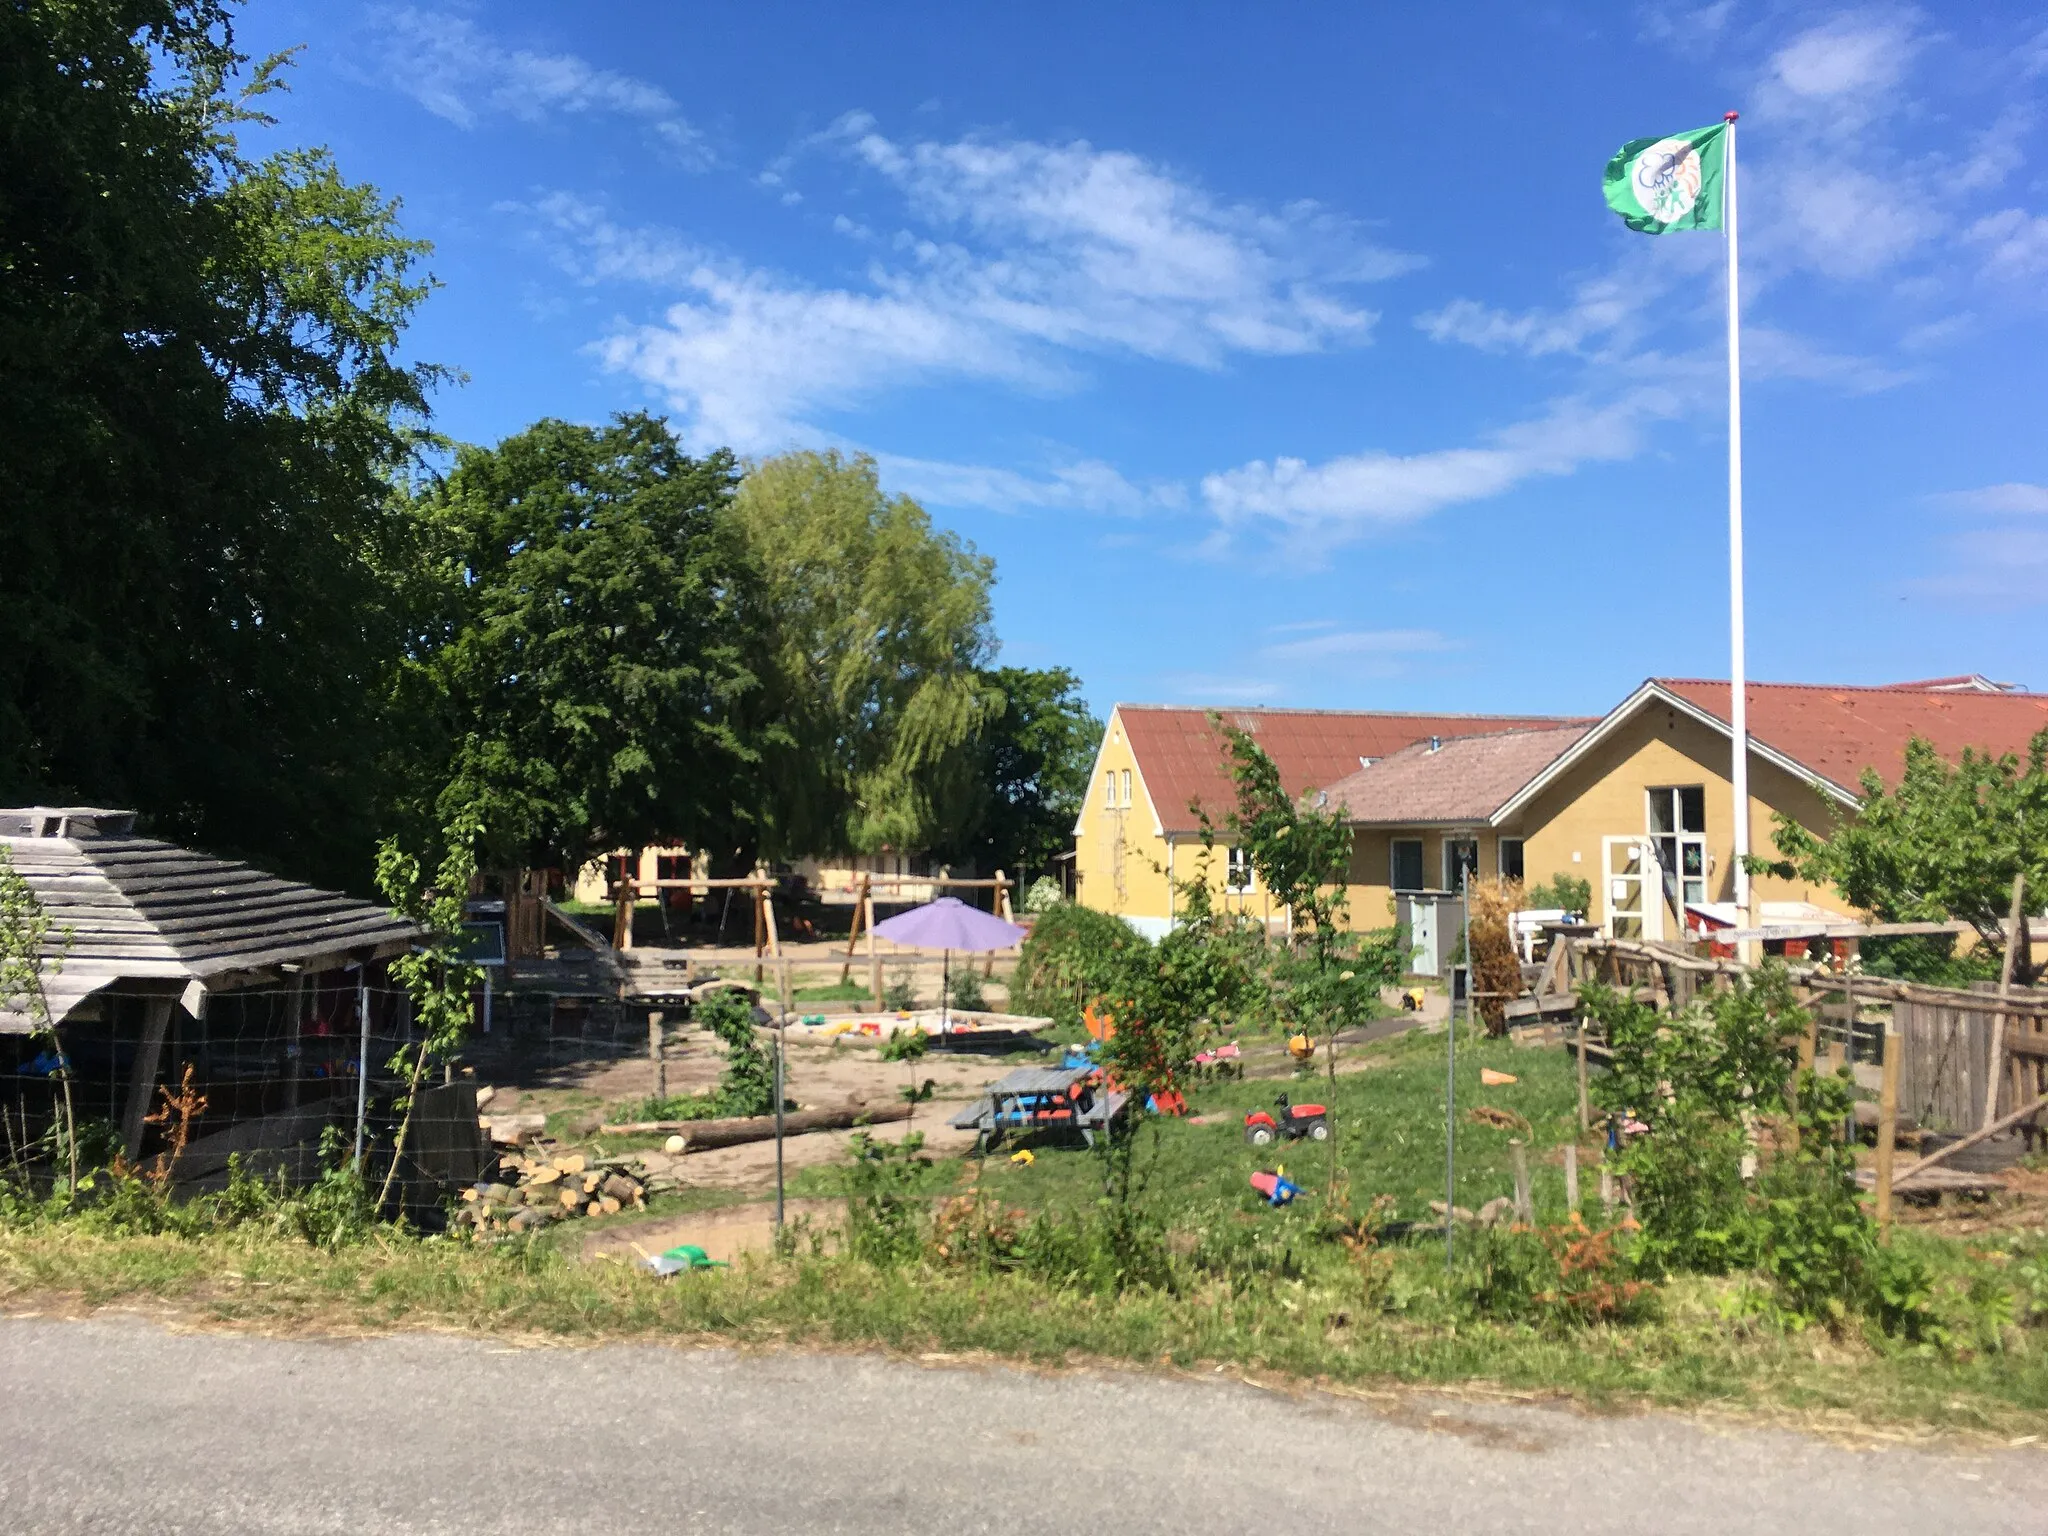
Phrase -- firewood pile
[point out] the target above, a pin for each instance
(534, 1187)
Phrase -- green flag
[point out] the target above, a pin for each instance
(1662, 185)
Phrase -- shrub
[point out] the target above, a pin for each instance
(747, 1086)
(900, 993)
(967, 992)
(885, 1211)
(1496, 965)
(1043, 896)
(1565, 893)
(1072, 956)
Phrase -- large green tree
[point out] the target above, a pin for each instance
(1941, 847)
(1033, 758)
(204, 409)
(880, 630)
(596, 654)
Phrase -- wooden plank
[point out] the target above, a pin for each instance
(1994, 1067)
(142, 1071)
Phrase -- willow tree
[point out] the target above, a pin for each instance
(879, 628)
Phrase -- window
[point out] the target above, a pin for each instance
(1405, 863)
(1127, 786)
(1511, 858)
(1237, 875)
(1109, 787)
(1678, 825)
(1461, 861)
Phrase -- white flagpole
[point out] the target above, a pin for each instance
(1738, 679)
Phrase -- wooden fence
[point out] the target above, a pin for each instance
(1948, 1054)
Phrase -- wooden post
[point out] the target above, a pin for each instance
(1585, 1109)
(622, 914)
(860, 907)
(1888, 1125)
(1994, 1068)
(149, 1050)
(1525, 1208)
(874, 955)
(774, 933)
(1001, 906)
(760, 934)
(1571, 1176)
(294, 1050)
(656, 1055)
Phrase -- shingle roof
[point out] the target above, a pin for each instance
(1183, 758)
(1837, 732)
(142, 910)
(1464, 780)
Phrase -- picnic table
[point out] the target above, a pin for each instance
(1042, 1099)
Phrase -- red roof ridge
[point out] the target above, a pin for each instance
(1376, 714)
(1930, 685)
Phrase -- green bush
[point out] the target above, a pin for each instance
(967, 992)
(886, 1209)
(1565, 893)
(747, 1086)
(1072, 956)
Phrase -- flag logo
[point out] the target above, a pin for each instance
(1672, 182)
(1666, 178)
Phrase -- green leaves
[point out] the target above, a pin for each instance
(596, 645)
(878, 628)
(1944, 845)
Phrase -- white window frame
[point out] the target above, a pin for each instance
(1394, 864)
(1450, 841)
(1109, 788)
(1127, 785)
(1238, 875)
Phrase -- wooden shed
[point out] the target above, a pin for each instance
(158, 958)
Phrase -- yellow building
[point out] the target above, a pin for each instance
(1637, 803)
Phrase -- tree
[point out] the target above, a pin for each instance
(879, 632)
(597, 643)
(205, 411)
(1034, 756)
(26, 954)
(1944, 846)
(1302, 855)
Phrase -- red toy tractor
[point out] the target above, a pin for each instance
(1294, 1121)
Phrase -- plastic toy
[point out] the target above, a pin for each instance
(684, 1256)
(1300, 1047)
(1276, 1186)
(1024, 1157)
(1294, 1122)
(1209, 1058)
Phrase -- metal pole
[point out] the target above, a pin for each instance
(781, 1041)
(362, 1059)
(1738, 676)
(1451, 1086)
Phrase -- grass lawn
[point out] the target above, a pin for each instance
(1282, 1298)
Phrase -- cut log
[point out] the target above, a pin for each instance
(705, 1134)
(572, 1162)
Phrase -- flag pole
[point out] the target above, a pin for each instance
(1738, 678)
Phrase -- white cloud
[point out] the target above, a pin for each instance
(2015, 242)
(1211, 688)
(1769, 353)
(457, 72)
(1026, 256)
(1352, 643)
(1088, 485)
(1347, 498)
(2012, 498)
(1842, 66)
(1999, 567)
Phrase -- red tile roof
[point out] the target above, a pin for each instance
(1839, 731)
(1183, 758)
(1464, 780)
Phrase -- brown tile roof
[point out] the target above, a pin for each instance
(1465, 780)
(1183, 758)
(1838, 731)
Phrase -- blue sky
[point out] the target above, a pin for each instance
(1289, 360)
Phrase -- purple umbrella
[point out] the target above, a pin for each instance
(948, 924)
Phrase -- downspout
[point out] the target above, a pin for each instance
(1170, 885)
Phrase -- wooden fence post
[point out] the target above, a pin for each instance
(1585, 1110)
(874, 955)
(1994, 1067)
(1888, 1125)
(1571, 1176)
(860, 907)
(1525, 1207)
(656, 1055)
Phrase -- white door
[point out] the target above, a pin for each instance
(1423, 936)
(1634, 888)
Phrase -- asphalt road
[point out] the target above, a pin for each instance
(122, 1426)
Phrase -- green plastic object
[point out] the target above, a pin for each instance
(681, 1257)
